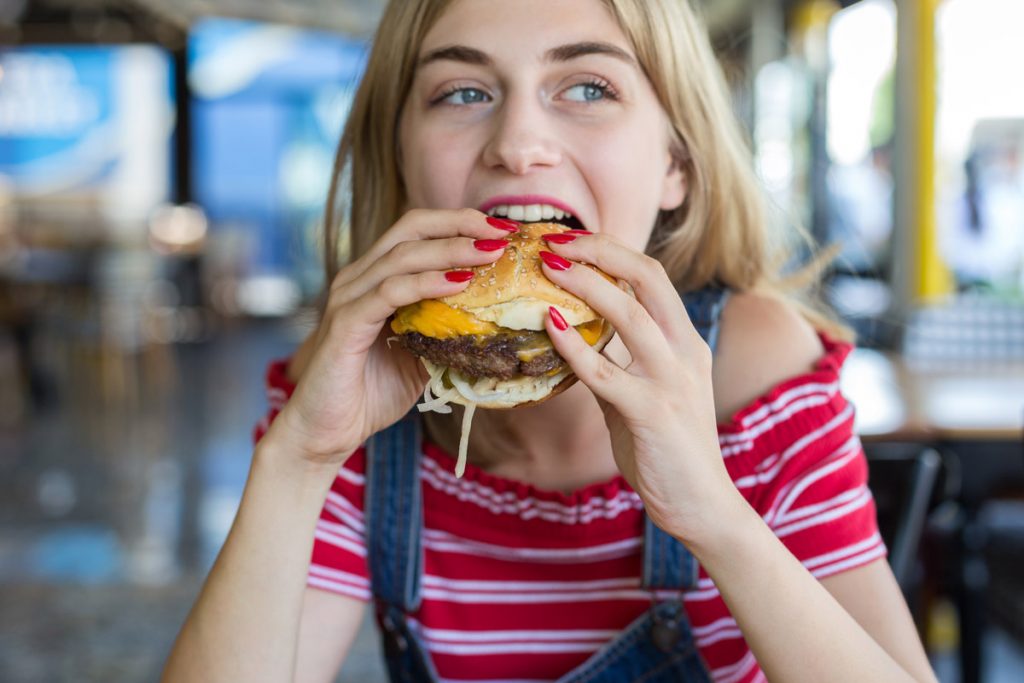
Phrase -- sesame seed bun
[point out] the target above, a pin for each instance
(514, 293)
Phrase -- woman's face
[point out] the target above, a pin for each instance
(537, 102)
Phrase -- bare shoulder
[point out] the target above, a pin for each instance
(763, 341)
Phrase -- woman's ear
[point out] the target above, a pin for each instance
(673, 190)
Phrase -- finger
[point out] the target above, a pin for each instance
(642, 336)
(373, 308)
(651, 285)
(425, 224)
(607, 380)
(419, 256)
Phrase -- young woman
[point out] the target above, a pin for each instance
(712, 428)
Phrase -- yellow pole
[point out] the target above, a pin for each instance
(932, 278)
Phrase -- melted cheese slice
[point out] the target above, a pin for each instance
(440, 321)
(432, 318)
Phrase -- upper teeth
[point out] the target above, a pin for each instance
(529, 213)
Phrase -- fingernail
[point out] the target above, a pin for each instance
(490, 245)
(574, 231)
(554, 261)
(559, 237)
(459, 275)
(502, 224)
(557, 319)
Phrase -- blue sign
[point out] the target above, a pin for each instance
(61, 120)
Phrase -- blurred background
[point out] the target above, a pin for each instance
(163, 167)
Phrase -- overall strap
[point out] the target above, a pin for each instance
(668, 565)
(394, 513)
(705, 307)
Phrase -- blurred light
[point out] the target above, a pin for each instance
(218, 507)
(857, 73)
(781, 110)
(151, 559)
(855, 297)
(869, 381)
(84, 553)
(56, 492)
(43, 96)
(268, 295)
(305, 173)
(980, 53)
(178, 229)
(241, 60)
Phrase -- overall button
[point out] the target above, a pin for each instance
(388, 623)
(396, 637)
(665, 634)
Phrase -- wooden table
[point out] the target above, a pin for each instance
(897, 401)
(975, 418)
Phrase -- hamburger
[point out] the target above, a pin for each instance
(487, 346)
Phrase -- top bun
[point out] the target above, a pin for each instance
(514, 293)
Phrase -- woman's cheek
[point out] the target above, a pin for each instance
(431, 174)
(442, 189)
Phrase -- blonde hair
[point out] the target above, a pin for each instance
(719, 235)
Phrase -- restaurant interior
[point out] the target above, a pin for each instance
(163, 172)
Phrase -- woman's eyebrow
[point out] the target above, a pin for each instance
(455, 53)
(562, 53)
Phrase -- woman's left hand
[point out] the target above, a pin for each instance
(660, 407)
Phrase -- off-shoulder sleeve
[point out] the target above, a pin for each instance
(279, 389)
(338, 563)
(794, 455)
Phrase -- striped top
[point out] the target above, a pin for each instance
(523, 584)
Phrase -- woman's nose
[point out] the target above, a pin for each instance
(522, 140)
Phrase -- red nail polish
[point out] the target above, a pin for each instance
(559, 237)
(580, 232)
(557, 319)
(490, 245)
(459, 275)
(554, 261)
(502, 224)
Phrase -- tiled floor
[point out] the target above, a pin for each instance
(115, 498)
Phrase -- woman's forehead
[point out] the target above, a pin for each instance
(524, 28)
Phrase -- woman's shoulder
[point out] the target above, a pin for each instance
(782, 415)
(763, 342)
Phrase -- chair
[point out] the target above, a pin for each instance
(902, 478)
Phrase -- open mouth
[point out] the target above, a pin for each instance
(536, 213)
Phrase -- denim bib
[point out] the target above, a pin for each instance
(657, 647)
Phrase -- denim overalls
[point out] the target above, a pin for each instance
(658, 646)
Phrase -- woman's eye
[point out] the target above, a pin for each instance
(463, 96)
(587, 92)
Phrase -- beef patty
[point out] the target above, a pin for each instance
(491, 356)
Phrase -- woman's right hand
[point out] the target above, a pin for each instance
(354, 385)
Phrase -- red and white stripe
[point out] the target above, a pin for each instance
(521, 585)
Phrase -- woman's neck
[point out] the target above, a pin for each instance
(561, 444)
